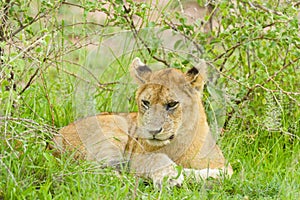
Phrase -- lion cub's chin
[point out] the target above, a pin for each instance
(158, 143)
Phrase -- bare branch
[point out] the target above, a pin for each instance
(138, 38)
(30, 81)
(263, 8)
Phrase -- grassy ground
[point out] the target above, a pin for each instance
(50, 76)
(266, 167)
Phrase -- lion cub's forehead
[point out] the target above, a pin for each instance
(168, 77)
(156, 93)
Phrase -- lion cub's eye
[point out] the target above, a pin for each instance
(146, 104)
(172, 105)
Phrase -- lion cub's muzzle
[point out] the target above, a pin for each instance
(155, 132)
(159, 137)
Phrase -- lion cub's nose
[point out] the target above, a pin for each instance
(155, 132)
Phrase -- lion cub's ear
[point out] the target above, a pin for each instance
(196, 76)
(139, 71)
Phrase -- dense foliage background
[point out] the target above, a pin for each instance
(62, 60)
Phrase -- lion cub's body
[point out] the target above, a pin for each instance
(170, 129)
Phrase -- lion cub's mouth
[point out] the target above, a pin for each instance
(171, 137)
(157, 139)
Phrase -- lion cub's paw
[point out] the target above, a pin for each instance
(172, 175)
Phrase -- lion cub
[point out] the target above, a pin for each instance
(169, 129)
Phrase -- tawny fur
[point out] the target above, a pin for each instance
(169, 129)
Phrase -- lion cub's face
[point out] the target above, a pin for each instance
(160, 113)
(166, 99)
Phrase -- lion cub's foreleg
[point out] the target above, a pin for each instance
(203, 174)
(156, 166)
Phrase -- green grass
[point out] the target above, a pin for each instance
(266, 164)
(266, 167)
(261, 131)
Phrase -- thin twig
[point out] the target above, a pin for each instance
(47, 97)
(280, 90)
(26, 49)
(280, 70)
(138, 38)
(30, 81)
(100, 85)
(173, 27)
(263, 8)
(296, 4)
(37, 17)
